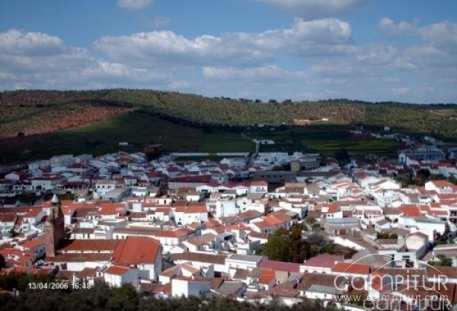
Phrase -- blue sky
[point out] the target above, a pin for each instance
(383, 50)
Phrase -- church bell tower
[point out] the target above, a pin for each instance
(54, 227)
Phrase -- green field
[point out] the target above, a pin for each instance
(141, 128)
(353, 147)
(138, 128)
(323, 138)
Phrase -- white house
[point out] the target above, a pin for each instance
(116, 276)
(259, 186)
(46, 182)
(431, 226)
(170, 238)
(186, 215)
(105, 185)
(322, 263)
(189, 286)
(183, 269)
(440, 186)
(224, 208)
(141, 252)
(247, 262)
(417, 242)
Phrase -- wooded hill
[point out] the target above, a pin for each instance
(35, 111)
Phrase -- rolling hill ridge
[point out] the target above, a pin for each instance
(38, 124)
(22, 111)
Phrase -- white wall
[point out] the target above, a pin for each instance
(188, 288)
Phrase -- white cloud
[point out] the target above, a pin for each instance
(317, 57)
(37, 60)
(34, 52)
(18, 42)
(307, 37)
(166, 46)
(315, 9)
(441, 35)
(378, 55)
(401, 90)
(327, 36)
(178, 85)
(269, 72)
(134, 4)
(402, 28)
(436, 48)
(155, 21)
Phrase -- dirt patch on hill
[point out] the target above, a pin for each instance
(56, 120)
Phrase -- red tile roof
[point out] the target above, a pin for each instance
(191, 179)
(10, 217)
(78, 257)
(200, 208)
(171, 233)
(111, 208)
(211, 223)
(324, 261)
(410, 210)
(136, 250)
(348, 267)
(196, 209)
(67, 211)
(33, 243)
(90, 245)
(280, 266)
(441, 183)
(259, 183)
(117, 270)
(33, 212)
(275, 220)
(267, 277)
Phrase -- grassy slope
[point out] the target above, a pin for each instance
(135, 127)
(198, 109)
(233, 112)
(440, 121)
(324, 138)
(22, 109)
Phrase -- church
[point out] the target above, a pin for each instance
(140, 253)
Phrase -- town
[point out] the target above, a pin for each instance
(177, 226)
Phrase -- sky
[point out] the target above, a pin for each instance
(371, 50)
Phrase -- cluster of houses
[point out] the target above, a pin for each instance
(197, 228)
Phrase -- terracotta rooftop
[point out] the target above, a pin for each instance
(33, 243)
(324, 261)
(202, 239)
(347, 267)
(310, 279)
(267, 276)
(79, 257)
(136, 250)
(117, 270)
(171, 233)
(89, 245)
(410, 210)
(280, 266)
(441, 183)
(287, 289)
(8, 217)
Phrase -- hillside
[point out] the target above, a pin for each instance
(20, 106)
(41, 123)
